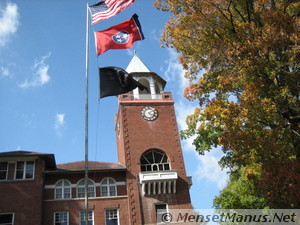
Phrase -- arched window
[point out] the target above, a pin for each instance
(154, 160)
(63, 189)
(108, 187)
(81, 188)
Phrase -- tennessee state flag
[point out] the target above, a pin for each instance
(121, 36)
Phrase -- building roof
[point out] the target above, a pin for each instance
(138, 68)
(136, 65)
(50, 160)
(65, 167)
(93, 166)
(21, 153)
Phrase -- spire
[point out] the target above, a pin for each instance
(136, 65)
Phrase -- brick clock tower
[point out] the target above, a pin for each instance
(149, 146)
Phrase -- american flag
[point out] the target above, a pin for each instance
(105, 9)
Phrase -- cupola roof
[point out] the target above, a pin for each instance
(136, 65)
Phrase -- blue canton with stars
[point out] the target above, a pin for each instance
(121, 38)
(99, 7)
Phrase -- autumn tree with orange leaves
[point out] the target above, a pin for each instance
(242, 61)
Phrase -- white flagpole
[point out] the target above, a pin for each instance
(87, 116)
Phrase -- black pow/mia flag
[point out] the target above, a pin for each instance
(115, 81)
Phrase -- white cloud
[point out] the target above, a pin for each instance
(9, 22)
(183, 110)
(4, 72)
(155, 35)
(7, 70)
(174, 71)
(130, 52)
(40, 76)
(208, 169)
(59, 123)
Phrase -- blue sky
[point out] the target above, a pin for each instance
(42, 85)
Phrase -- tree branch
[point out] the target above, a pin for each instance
(243, 18)
(248, 11)
(231, 17)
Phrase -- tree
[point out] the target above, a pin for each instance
(249, 92)
(241, 193)
(280, 183)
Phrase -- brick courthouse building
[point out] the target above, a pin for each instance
(149, 179)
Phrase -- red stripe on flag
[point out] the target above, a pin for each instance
(114, 7)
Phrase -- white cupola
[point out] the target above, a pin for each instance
(140, 72)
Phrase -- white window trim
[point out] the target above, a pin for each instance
(77, 186)
(117, 214)
(61, 212)
(51, 186)
(93, 218)
(6, 171)
(63, 189)
(24, 170)
(13, 216)
(108, 185)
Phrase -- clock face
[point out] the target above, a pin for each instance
(149, 113)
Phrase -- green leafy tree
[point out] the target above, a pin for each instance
(249, 92)
(241, 193)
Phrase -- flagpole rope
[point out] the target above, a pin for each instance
(97, 130)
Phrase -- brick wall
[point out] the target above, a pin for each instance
(138, 136)
(23, 197)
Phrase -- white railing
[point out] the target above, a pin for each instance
(146, 96)
(158, 175)
(158, 182)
